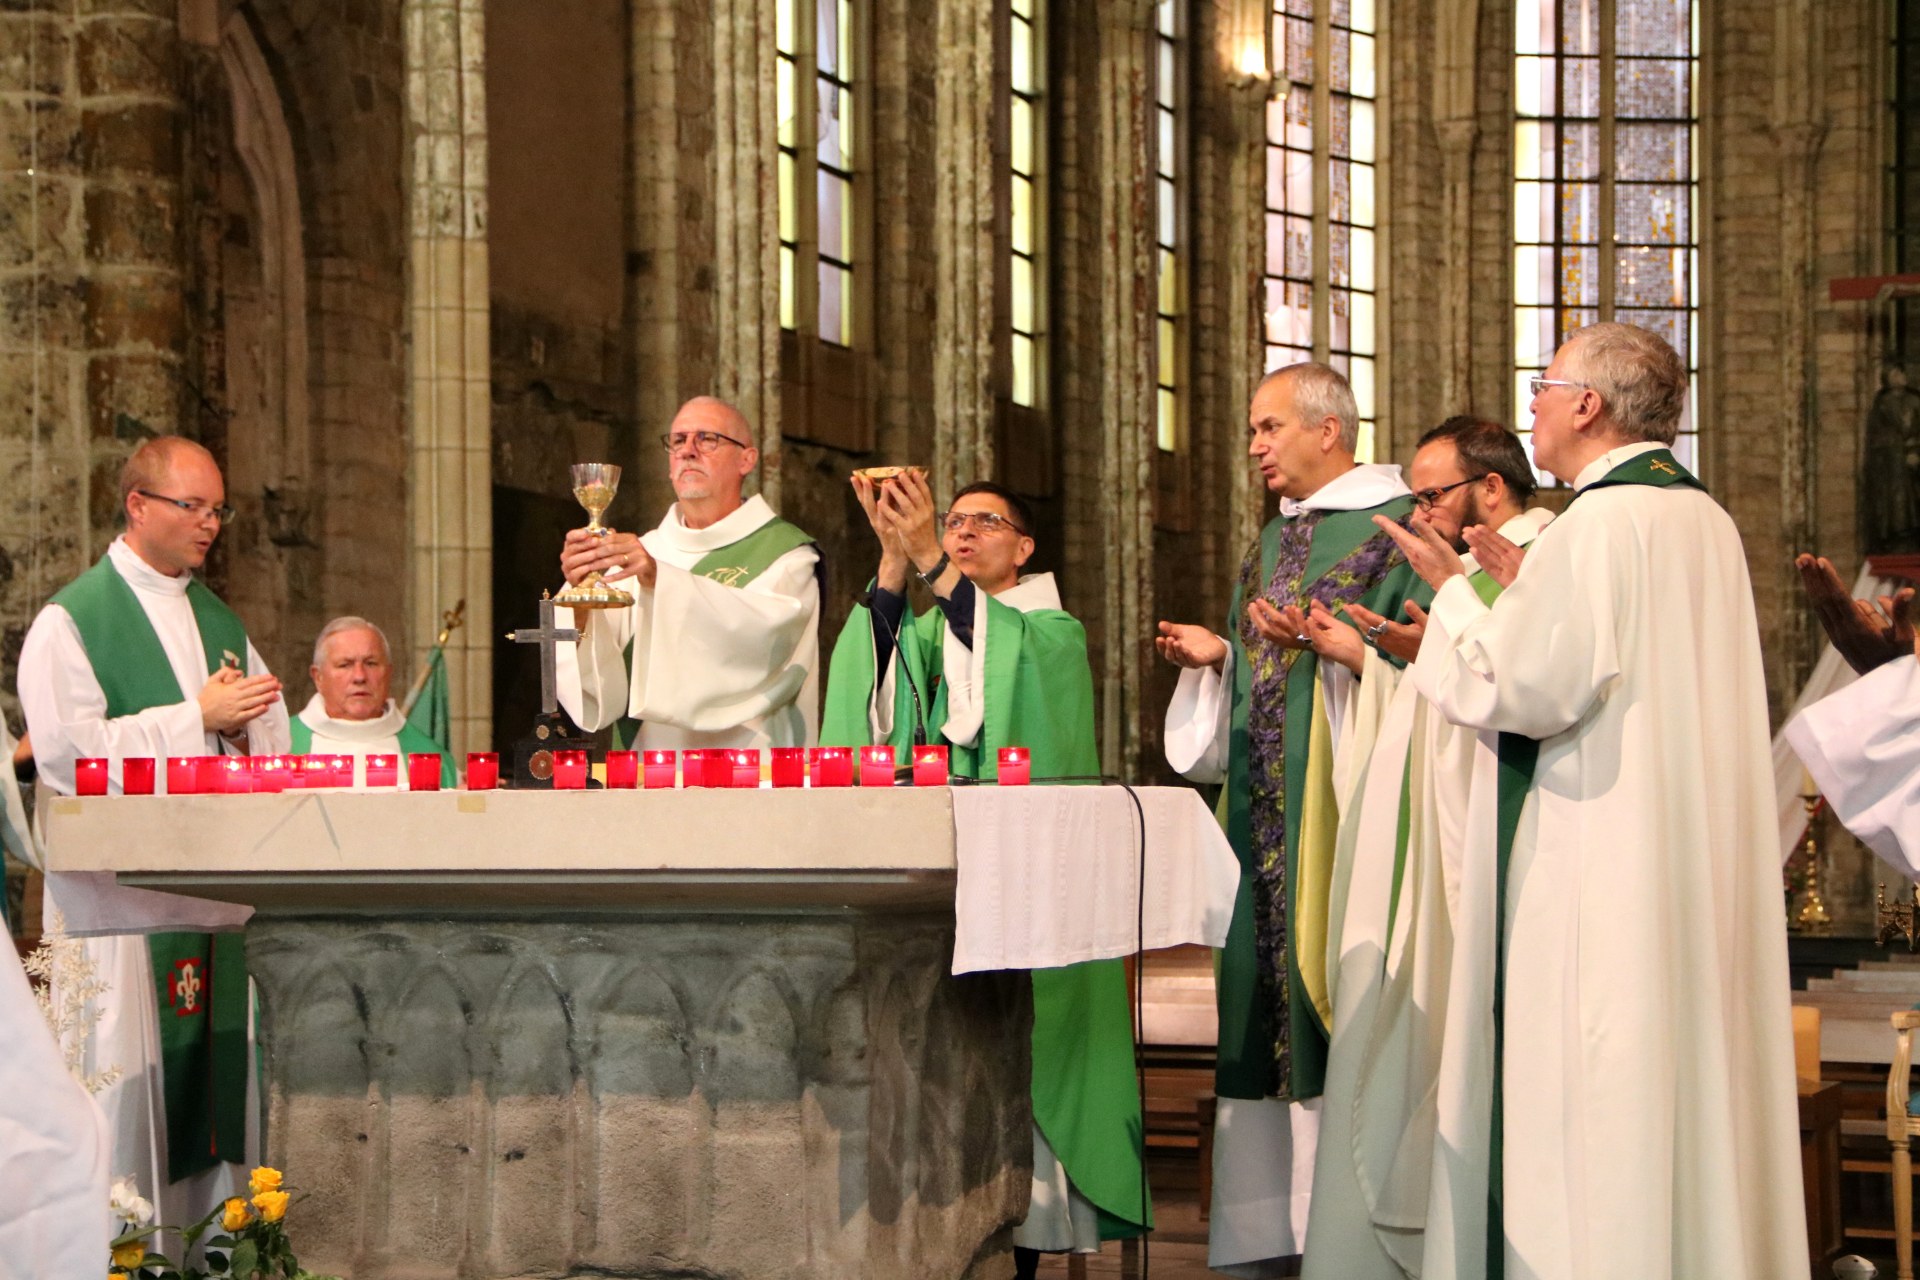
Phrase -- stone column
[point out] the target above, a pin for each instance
(964, 251)
(1453, 113)
(451, 405)
(746, 198)
(1127, 357)
(1243, 150)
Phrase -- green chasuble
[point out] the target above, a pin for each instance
(413, 742)
(200, 980)
(1278, 804)
(734, 565)
(1038, 694)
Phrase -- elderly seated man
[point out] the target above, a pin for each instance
(350, 712)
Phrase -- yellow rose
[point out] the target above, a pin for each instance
(130, 1255)
(116, 1275)
(234, 1215)
(272, 1205)
(264, 1179)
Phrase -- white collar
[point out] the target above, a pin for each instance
(1520, 530)
(142, 576)
(1612, 458)
(383, 726)
(1366, 485)
(730, 528)
(1033, 591)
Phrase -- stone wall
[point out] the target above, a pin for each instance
(766, 1097)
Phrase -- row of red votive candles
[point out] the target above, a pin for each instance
(733, 767)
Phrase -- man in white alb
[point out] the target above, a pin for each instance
(721, 647)
(351, 712)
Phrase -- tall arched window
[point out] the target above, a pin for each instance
(1170, 222)
(814, 42)
(1321, 195)
(1606, 180)
(1026, 201)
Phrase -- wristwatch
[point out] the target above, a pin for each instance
(933, 575)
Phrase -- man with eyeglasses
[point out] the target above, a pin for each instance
(137, 658)
(997, 662)
(1251, 710)
(1644, 1099)
(721, 646)
(1401, 1169)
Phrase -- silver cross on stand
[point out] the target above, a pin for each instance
(547, 636)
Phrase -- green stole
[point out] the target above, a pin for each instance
(200, 979)
(1519, 755)
(734, 565)
(413, 742)
(1246, 1039)
(1039, 695)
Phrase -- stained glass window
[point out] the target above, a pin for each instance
(1606, 181)
(1321, 288)
(1169, 223)
(817, 215)
(1026, 213)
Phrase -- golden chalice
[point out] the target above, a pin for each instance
(594, 484)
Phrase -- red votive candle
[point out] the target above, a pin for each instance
(693, 768)
(382, 771)
(789, 766)
(183, 775)
(423, 771)
(832, 766)
(569, 771)
(270, 773)
(483, 770)
(930, 766)
(746, 766)
(1016, 770)
(340, 771)
(876, 766)
(623, 770)
(211, 776)
(659, 769)
(236, 775)
(136, 776)
(716, 768)
(89, 776)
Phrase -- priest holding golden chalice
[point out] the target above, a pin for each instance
(719, 645)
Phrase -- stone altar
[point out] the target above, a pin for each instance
(647, 1034)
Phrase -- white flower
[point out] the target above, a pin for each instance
(128, 1204)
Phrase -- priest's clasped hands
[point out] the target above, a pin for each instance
(616, 555)
(230, 699)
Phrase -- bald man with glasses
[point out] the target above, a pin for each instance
(721, 647)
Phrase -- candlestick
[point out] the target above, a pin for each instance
(89, 776)
(746, 767)
(383, 771)
(789, 766)
(183, 775)
(876, 766)
(1016, 770)
(623, 770)
(423, 771)
(930, 766)
(832, 766)
(569, 770)
(659, 770)
(483, 770)
(136, 776)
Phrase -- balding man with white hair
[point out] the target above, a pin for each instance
(721, 647)
(351, 712)
(1645, 1096)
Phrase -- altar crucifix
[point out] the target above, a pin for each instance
(552, 731)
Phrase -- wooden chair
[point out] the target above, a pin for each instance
(1902, 1124)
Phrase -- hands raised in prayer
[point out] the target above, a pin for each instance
(1867, 634)
(1496, 555)
(615, 555)
(1333, 639)
(1285, 627)
(1424, 549)
(230, 700)
(1185, 645)
(1395, 639)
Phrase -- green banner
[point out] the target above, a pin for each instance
(201, 982)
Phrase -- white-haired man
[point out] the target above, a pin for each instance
(351, 712)
(1645, 1084)
(721, 647)
(1249, 711)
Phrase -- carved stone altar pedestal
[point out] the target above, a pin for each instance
(672, 1034)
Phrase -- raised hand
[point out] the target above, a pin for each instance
(1867, 634)
(1185, 645)
(906, 504)
(892, 575)
(229, 701)
(1499, 557)
(1334, 639)
(1396, 639)
(1425, 550)
(615, 555)
(1285, 627)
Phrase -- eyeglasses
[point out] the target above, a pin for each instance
(1427, 497)
(982, 522)
(704, 442)
(1537, 385)
(197, 510)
